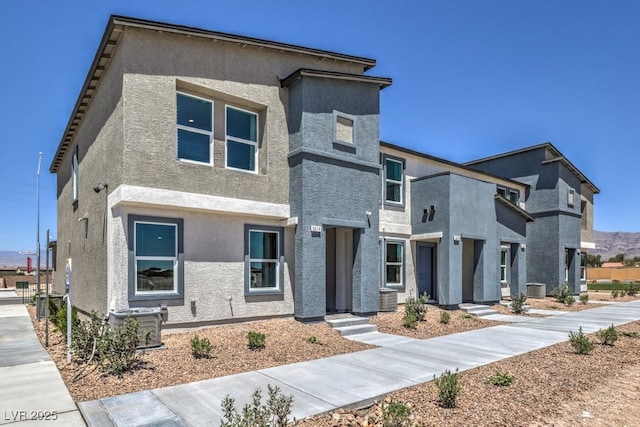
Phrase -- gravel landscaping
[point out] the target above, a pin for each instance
(553, 386)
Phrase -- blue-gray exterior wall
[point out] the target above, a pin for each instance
(466, 207)
(334, 185)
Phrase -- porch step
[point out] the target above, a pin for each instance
(351, 325)
(477, 310)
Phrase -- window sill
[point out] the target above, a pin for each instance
(344, 146)
(256, 293)
(154, 297)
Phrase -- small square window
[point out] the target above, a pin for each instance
(344, 129)
(514, 196)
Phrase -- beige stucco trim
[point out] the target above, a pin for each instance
(427, 236)
(392, 228)
(132, 195)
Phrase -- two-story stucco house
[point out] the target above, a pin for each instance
(230, 178)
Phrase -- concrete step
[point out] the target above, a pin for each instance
(478, 310)
(14, 300)
(356, 329)
(351, 325)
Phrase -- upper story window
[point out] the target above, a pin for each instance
(394, 181)
(514, 196)
(241, 139)
(194, 129)
(571, 197)
(74, 176)
(343, 127)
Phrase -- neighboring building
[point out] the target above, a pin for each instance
(560, 199)
(613, 265)
(231, 178)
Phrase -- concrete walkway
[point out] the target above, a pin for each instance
(354, 379)
(31, 389)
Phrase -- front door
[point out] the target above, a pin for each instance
(339, 269)
(426, 269)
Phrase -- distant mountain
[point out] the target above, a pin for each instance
(609, 244)
(15, 259)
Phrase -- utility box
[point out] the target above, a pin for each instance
(388, 299)
(150, 324)
(536, 290)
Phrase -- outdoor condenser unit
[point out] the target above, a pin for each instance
(150, 320)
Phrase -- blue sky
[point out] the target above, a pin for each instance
(471, 79)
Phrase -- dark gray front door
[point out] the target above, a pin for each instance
(426, 270)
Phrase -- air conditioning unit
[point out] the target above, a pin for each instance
(536, 290)
(150, 320)
(388, 299)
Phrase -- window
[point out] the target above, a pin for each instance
(514, 196)
(502, 192)
(394, 264)
(74, 176)
(566, 265)
(571, 195)
(583, 266)
(394, 181)
(344, 129)
(156, 257)
(156, 261)
(241, 139)
(504, 256)
(194, 129)
(264, 261)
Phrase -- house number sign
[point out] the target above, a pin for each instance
(316, 229)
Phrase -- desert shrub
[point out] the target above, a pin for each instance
(201, 348)
(569, 300)
(561, 292)
(86, 336)
(314, 340)
(256, 340)
(409, 320)
(615, 293)
(396, 414)
(118, 346)
(416, 306)
(448, 388)
(580, 342)
(607, 336)
(518, 303)
(632, 289)
(467, 316)
(275, 412)
(445, 317)
(584, 298)
(632, 334)
(59, 320)
(622, 293)
(502, 379)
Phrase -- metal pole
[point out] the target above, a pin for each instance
(46, 301)
(38, 234)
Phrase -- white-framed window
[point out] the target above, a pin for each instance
(194, 129)
(571, 196)
(566, 265)
(394, 181)
(74, 176)
(504, 264)
(241, 132)
(264, 260)
(502, 192)
(394, 263)
(155, 249)
(583, 266)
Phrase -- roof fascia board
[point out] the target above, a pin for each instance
(383, 82)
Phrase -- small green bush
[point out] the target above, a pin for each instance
(569, 300)
(416, 306)
(561, 292)
(467, 316)
(201, 348)
(314, 340)
(59, 320)
(501, 379)
(274, 413)
(256, 340)
(607, 336)
(615, 293)
(518, 303)
(409, 320)
(118, 348)
(396, 414)
(445, 317)
(580, 342)
(584, 298)
(633, 334)
(448, 388)
(86, 336)
(632, 289)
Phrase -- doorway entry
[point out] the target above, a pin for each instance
(426, 269)
(339, 269)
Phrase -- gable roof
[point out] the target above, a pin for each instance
(112, 36)
(557, 157)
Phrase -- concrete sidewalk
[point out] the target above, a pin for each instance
(353, 379)
(31, 389)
